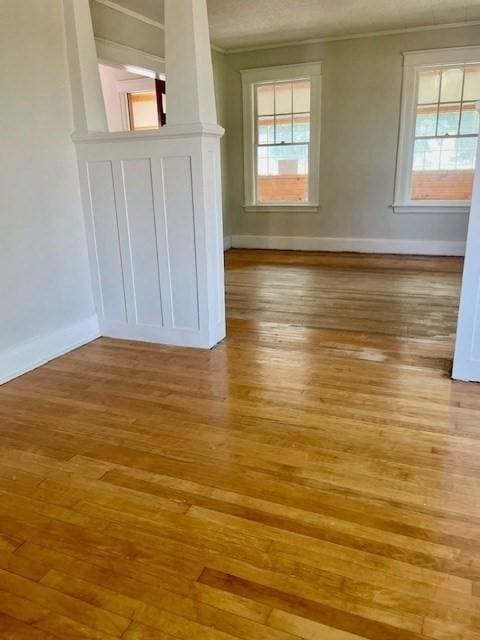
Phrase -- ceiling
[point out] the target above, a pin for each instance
(249, 23)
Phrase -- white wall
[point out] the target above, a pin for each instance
(109, 77)
(46, 303)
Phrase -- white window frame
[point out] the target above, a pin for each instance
(413, 63)
(132, 85)
(251, 78)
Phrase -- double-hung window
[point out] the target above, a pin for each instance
(439, 130)
(282, 137)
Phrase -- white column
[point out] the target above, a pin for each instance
(87, 98)
(190, 89)
(466, 364)
(152, 199)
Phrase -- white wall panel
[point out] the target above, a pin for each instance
(156, 237)
(466, 364)
(476, 332)
(142, 241)
(180, 220)
(107, 241)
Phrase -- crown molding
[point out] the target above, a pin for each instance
(103, 42)
(139, 16)
(131, 14)
(356, 36)
(111, 4)
(217, 48)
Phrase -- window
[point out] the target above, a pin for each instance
(281, 130)
(142, 110)
(439, 130)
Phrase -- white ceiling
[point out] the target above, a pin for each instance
(248, 23)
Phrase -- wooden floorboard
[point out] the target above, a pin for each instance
(316, 476)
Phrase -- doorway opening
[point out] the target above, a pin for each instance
(135, 98)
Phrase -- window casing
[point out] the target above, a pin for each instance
(282, 137)
(438, 131)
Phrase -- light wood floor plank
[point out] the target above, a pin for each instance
(314, 477)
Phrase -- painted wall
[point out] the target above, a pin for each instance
(360, 117)
(118, 27)
(220, 78)
(45, 282)
(109, 77)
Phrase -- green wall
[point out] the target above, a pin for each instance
(361, 91)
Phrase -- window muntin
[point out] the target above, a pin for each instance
(445, 134)
(282, 123)
(281, 129)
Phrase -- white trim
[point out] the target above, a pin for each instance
(360, 245)
(131, 14)
(413, 61)
(227, 243)
(217, 48)
(466, 363)
(282, 72)
(282, 208)
(134, 85)
(442, 57)
(250, 79)
(194, 129)
(111, 52)
(355, 36)
(433, 207)
(34, 353)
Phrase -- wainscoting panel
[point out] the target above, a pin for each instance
(180, 221)
(154, 224)
(142, 241)
(108, 261)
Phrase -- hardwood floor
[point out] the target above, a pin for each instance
(315, 476)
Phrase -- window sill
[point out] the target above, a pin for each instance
(281, 208)
(433, 207)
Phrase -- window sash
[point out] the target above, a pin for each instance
(415, 62)
(292, 113)
(255, 78)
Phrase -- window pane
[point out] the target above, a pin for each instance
(283, 129)
(283, 98)
(301, 127)
(265, 100)
(143, 110)
(452, 82)
(471, 90)
(282, 174)
(301, 97)
(466, 152)
(470, 120)
(443, 169)
(428, 86)
(426, 120)
(448, 119)
(266, 130)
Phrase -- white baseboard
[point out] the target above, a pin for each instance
(34, 353)
(359, 245)
(227, 243)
